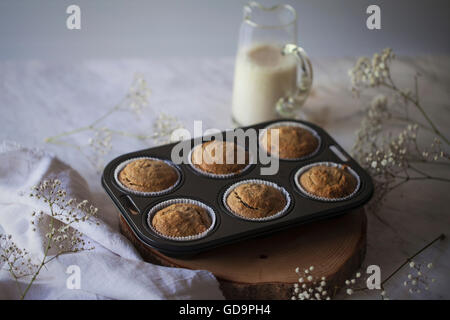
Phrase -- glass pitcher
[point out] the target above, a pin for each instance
(273, 76)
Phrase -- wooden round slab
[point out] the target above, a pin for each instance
(264, 268)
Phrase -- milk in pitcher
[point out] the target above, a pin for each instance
(262, 76)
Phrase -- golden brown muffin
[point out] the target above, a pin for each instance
(181, 220)
(219, 157)
(256, 200)
(148, 175)
(328, 182)
(294, 142)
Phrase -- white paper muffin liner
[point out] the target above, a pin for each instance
(267, 183)
(219, 176)
(329, 164)
(141, 193)
(167, 203)
(291, 124)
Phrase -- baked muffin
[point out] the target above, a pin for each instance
(255, 200)
(148, 175)
(328, 182)
(181, 220)
(294, 142)
(219, 157)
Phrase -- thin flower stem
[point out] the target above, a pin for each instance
(61, 253)
(408, 260)
(106, 115)
(420, 172)
(11, 271)
(416, 86)
(45, 254)
(128, 134)
(54, 139)
(415, 102)
(64, 144)
(425, 175)
(422, 161)
(421, 125)
(423, 178)
(397, 185)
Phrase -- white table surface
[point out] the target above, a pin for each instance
(40, 99)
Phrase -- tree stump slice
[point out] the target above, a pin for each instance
(264, 268)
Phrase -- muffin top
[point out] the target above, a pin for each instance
(148, 175)
(181, 220)
(256, 200)
(219, 157)
(328, 182)
(294, 142)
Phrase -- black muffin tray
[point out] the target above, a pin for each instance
(229, 228)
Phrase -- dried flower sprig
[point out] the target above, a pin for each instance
(163, 128)
(61, 238)
(391, 155)
(16, 261)
(100, 143)
(310, 287)
(416, 282)
(376, 72)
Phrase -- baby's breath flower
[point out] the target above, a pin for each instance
(387, 140)
(163, 127)
(418, 281)
(313, 288)
(371, 72)
(138, 94)
(17, 260)
(64, 238)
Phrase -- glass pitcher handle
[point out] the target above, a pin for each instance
(287, 106)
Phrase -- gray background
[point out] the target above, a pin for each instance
(200, 28)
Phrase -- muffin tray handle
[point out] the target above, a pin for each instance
(339, 153)
(228, 228)
(129, 205)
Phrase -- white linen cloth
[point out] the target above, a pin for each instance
(112, 270)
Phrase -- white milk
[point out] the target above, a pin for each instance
(262, 76)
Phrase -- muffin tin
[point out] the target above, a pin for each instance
(229, 228)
